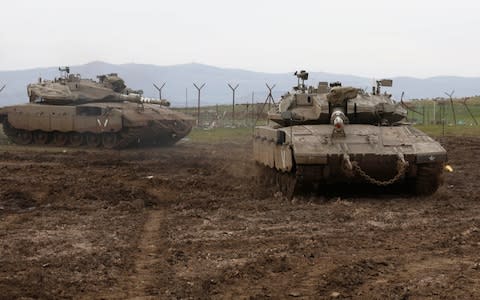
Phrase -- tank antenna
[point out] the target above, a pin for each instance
(233, 102)
(159, 90)
(198, 104)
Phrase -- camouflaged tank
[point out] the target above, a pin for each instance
(72, 111)
(333, 134)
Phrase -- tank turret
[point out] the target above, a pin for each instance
(72, 89)
(317, 105)
(333, 134)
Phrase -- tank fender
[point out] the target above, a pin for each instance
(283, 158)
(271, 148)
(273, 155)
(260, 153)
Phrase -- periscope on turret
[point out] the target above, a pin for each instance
(329, 133)
(73, 111)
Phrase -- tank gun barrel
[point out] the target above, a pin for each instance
(162, 102)
(338, 119)
(337, 100)
(137, 98)
(130, 97)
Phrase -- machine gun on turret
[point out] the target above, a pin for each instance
(64, 72)
(302, 76)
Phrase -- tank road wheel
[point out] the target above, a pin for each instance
(60, 139)
(23, 137)
(93, 140)
(40, 137)
(429, 177)
(75, 139)
(109, 140)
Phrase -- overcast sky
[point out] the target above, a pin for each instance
(370, 37)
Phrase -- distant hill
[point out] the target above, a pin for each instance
(216, 91)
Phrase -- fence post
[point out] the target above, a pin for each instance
(423, 113)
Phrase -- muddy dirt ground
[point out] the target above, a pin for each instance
(189, 222)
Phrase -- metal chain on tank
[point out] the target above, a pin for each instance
(401, 169)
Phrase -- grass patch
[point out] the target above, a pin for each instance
(431, 113)
(450, 130)
(218, 135)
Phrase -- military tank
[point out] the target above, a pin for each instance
(72, 111)
(331, 134)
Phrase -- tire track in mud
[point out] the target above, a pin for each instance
(151, 271)
(150, 274)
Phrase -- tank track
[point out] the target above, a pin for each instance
(162, 133)
(429, 178)
(426, 182)
(285, 183)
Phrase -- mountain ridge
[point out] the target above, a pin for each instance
(180, 77)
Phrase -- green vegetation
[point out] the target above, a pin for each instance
(437, 118)
(222, 115)
(217, 135)
(437, 130)
(433, 112)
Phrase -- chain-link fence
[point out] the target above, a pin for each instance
(245, 115)
(422, 112)
(444, 112)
